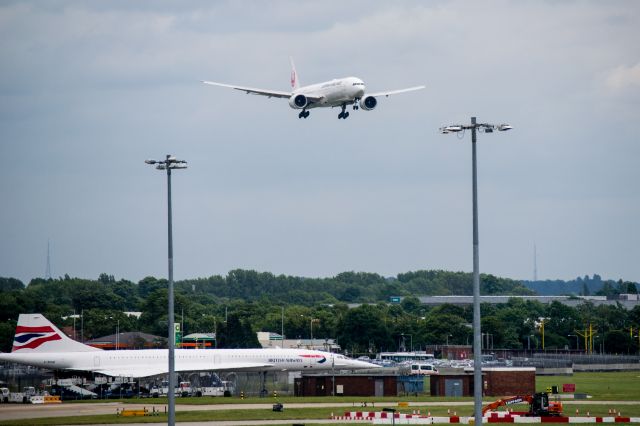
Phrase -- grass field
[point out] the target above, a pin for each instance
(602, 387)
(624, 386)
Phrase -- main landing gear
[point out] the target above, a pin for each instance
(303, 114)
(343, 114)
(263, 377)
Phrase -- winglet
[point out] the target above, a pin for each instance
(295, 82)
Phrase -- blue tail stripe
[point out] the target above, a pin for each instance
(26, 337)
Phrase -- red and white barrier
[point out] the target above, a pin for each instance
(381, 418)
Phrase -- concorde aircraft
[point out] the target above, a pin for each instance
(335, 93)
(40, 343)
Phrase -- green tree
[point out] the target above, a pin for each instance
(237, 333)
(363, 327)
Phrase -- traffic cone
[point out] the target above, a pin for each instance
(577, 411)
(428, 413)
(448, 411)
(588, 414)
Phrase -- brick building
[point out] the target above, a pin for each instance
(497, 381)
(347, 385)
(501, 381)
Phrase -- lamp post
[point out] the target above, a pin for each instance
(169, 164)
(477, 352)
(577, 340)
(311, 329)
(282, 326)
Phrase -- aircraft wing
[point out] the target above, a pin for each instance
(395, 92)
(253, 91)
(132, 371)
(154, 370)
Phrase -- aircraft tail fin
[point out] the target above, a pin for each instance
(35, 333)
(295, 80)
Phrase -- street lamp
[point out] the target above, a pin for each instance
(577, 340)
(477, 352)
(311, 329)
(169, 164)
(403, 346)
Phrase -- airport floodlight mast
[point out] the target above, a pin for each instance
(477, 340)
(169, 164)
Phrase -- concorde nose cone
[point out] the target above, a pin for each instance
(364, 364)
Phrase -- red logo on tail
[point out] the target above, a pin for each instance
(293, 78)
(32, 337)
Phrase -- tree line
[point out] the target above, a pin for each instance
(243, 302)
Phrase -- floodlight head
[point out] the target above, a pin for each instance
(171, 158)
(150, 161)
(161, 167)
(178, 166)
(504, 127)
(488, 130)
(443, 131)
(454, 128)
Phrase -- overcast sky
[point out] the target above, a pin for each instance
(89, 90)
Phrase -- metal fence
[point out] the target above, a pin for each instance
(568, 360)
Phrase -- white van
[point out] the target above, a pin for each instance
(423, 369)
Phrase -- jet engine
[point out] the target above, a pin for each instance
(298, 101)
(368, 103)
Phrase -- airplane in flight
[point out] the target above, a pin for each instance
(39, 343)
(329, 94)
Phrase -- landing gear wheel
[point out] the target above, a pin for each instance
(343, 114)
(306, 114)
(346, 115)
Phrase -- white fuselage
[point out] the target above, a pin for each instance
(334, 93)
(191, 359)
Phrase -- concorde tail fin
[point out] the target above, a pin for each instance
(35, 333)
